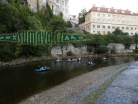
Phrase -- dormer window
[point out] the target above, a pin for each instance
(109, 10)
(98, 9)
(116, 11)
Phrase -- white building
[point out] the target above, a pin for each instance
(60, 6)
(57, 6)
(73, 20)
(104, 20)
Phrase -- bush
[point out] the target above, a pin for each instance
(32, 50)
(69, 24)
(101, 49)
(69, 53)
(90, 49)
(7, 51)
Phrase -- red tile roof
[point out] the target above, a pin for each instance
(112, 10)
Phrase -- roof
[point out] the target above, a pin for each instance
(112, 10)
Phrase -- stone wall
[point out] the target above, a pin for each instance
(58, 50)
(118, 48)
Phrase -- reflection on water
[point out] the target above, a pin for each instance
(19, 82)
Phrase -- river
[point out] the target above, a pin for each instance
(21, 81)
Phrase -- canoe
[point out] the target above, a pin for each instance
(42, 69)
(72, 60)
(57, 61)
(103, 58)
(90, 64)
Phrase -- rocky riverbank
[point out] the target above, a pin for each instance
(44, 58)
(60, 93)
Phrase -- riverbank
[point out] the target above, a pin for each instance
(61, 93)
(44, 58)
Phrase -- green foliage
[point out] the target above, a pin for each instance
(70, 31)
(33, 23)
(69, 53)
(61, 14)
(32, 50)
(118, 32)
(127, 41)
(90, 49)
(135, 51)
(135, 37)
(69, 24)
(9, 18)
(7, 51)
(57, 23)
(38, 5)
(101, 49)
(81, 15)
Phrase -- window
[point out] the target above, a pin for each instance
(108, 27)
(113, 15)
(103, 26)
(93, 14)
(123, 21)
(98, 20)
(108, 32)
(62, 2)
(109, 20)
(93, 31)
(113, 20)
(131, 28)
(57, 1)
(122, 27)
(65, 3)
(127, 28)
(113, 27)
(98, 26)
(103, 15)
(93, 26)
(98, 14)
(103, 20)
(109, 15)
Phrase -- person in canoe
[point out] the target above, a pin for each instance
(90, 62)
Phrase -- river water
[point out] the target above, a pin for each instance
(21, 81)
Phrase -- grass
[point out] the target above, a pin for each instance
(94, 95)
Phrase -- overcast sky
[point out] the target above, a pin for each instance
(75, 6)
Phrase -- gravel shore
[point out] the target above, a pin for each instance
(61, 93)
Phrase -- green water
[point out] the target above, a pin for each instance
(21, 81)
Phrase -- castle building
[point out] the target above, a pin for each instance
(60, 7)
(104, 20)
(57, 6)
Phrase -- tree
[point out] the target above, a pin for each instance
(9, 18)
(102, 49)
(81, 15)
(118, 32)
(127, 41)
(69, 24)
(57, 23)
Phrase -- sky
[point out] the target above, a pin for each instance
(75, 6)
